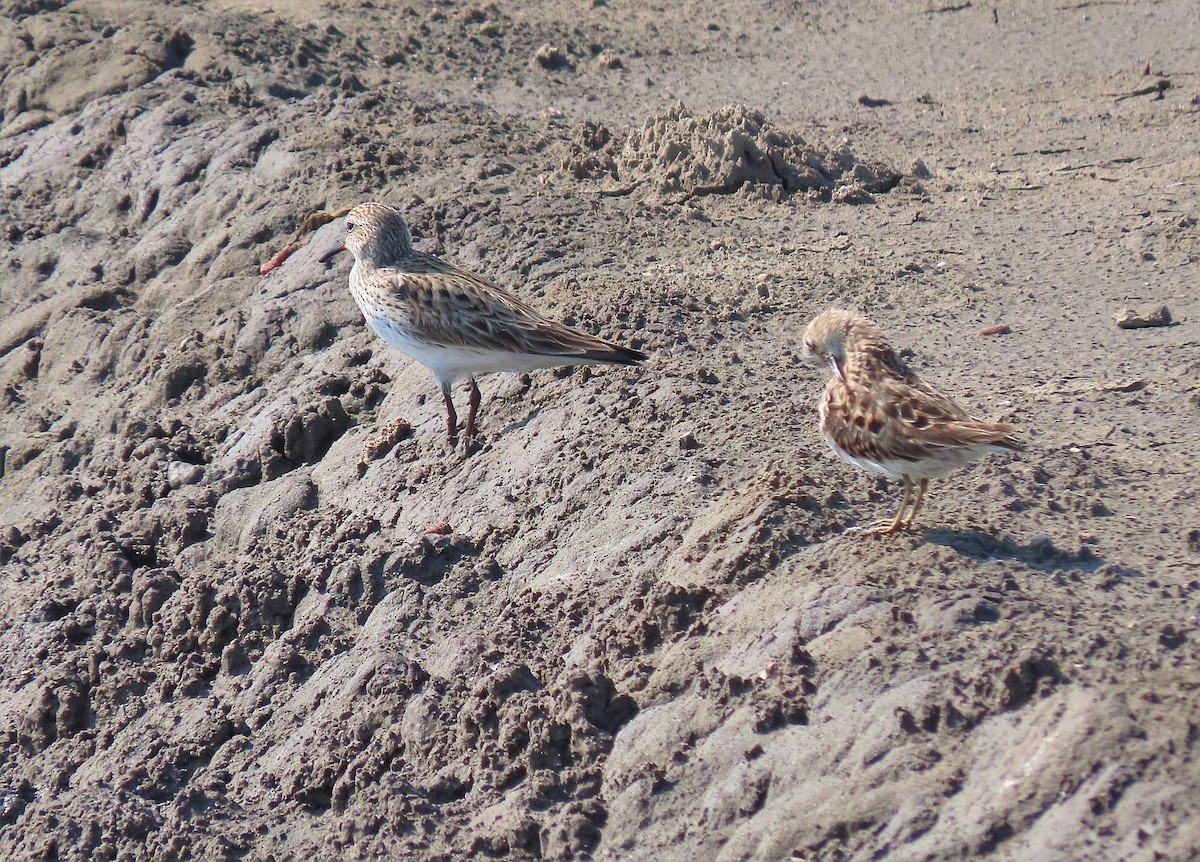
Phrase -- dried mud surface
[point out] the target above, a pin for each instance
(633, 626)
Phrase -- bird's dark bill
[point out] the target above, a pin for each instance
(337, 249)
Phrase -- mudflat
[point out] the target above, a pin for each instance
(635, 625)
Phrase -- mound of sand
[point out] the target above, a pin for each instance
(680, 153)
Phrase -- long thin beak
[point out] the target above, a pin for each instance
(337, 249)
(837, 369)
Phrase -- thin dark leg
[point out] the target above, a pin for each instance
(473, 411)
(451, 416)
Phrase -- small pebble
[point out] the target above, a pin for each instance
(1144, 317)
(998, 329)
(180, 473)
(550, 57)
(609, 59)
(852, 195)
(1042, 545)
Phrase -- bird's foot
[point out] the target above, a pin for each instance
(879, 528)
(461, 448)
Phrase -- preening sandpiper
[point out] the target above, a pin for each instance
(877, 414)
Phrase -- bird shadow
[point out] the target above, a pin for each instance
(1039, 553)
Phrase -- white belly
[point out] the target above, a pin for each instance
(451, 364)
(940, 463)
(891, 469)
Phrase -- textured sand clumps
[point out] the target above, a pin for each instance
(41, 57)
(720, 153)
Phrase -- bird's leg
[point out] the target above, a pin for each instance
(885, 528)
(469, 433)
(917, 503)
(451, 416)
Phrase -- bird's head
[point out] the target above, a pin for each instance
(829, 335)
(375, 233)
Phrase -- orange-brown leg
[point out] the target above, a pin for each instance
(908, 522)
(886, 528)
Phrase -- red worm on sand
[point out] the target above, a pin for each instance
(278, 259)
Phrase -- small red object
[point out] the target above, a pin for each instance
(998, 329)
(1146, 69)
(277, 260)
(442, 528)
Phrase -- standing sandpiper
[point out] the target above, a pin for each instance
(457, 324)
(879, 415)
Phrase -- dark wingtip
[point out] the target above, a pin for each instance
(1011, 441)
(1007, 438)
(620, 355)
(633, 357)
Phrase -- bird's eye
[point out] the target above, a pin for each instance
(810, 347)
(350, 225)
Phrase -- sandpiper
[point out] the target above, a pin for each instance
(457, 324)
(877, 414)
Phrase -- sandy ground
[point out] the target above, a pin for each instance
(633, 626)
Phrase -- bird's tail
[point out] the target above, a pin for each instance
(998, 434)
(577, 347)
(614, 354)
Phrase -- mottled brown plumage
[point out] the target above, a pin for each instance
(454, 322)
(876, 413)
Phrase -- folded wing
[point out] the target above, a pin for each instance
(451, 306)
